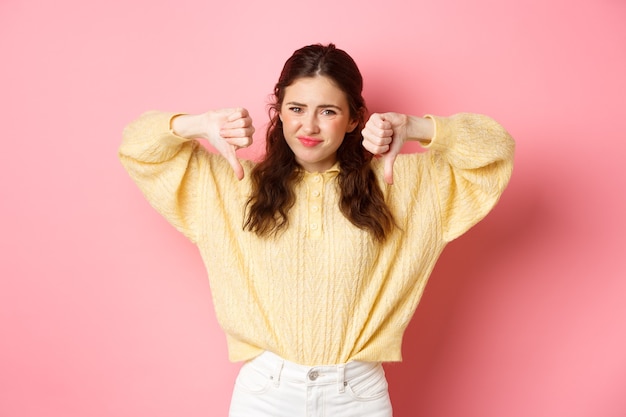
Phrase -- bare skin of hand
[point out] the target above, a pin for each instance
(225, 129)
(385, 133)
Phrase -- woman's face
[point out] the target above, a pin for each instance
(316, 117)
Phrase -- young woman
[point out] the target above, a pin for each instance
(318, 254)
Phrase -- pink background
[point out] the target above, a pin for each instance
(105, 309)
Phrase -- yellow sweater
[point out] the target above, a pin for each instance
(322, 292)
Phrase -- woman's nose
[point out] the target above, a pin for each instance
(310, 125)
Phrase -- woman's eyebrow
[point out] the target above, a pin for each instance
(325, 106)
(321, 106)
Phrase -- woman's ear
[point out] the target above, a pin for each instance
(354, 122)
(352, 125)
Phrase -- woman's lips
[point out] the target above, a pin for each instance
(309, 142)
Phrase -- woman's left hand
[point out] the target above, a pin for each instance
(384, 134)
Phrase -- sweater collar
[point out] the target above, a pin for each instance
(331, 172)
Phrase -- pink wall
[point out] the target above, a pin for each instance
(105, 309)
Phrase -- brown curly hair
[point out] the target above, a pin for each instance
(273, 178)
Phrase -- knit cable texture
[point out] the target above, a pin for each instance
(322, 291)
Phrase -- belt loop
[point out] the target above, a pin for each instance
(278, 369)
(341, 378)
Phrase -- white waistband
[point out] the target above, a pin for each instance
(280, 369)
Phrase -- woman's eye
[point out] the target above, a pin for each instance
(328, 112)
(295, 109)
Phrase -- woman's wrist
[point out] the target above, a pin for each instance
(189, 126)
(421, 129)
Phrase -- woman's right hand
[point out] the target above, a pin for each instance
(226, 130)
(230, 129)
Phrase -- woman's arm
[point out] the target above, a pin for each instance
(159, 153)
(469, 160)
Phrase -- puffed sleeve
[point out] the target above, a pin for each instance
(471, 157)
(165, 167)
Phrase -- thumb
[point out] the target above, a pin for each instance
(389, 160)
(231, 157)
